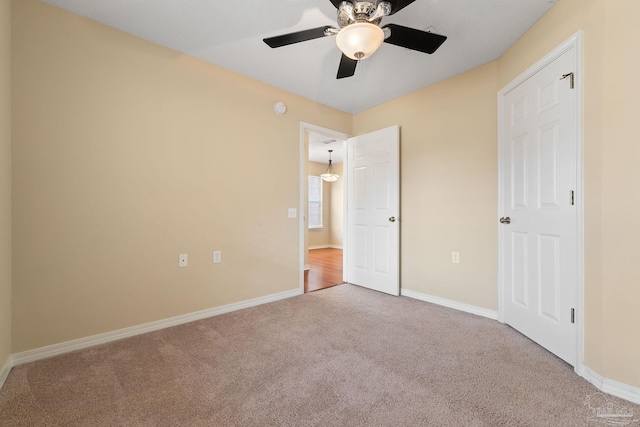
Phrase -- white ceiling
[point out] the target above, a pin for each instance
(319, 145)
(230, 34)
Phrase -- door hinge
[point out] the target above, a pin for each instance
(571, 79)
(573, 315)
(573, 199)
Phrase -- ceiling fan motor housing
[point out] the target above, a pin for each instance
(350, 12)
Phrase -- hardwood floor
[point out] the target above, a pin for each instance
(326, 269)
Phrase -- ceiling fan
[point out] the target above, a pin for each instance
(360, 34)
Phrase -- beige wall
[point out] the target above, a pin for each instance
(448, 185)
(620, 196)
(5, 181)
(127, 154)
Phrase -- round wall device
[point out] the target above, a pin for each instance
(280, 108)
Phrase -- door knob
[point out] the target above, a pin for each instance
(392, 219)
(505, 220)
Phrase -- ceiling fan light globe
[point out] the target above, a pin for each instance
(360, 40)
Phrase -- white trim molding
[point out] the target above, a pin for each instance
(612, 387)
(467, 308)
(4, 372)
(311, 248)
(307, 267)
(82, 343)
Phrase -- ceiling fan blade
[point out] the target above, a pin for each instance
(347, 67)
(397, 5)
(297, 37)
(336, 3)
(411, 38)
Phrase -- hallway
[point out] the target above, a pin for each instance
(325, 269)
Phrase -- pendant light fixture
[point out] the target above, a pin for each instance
(330, 175)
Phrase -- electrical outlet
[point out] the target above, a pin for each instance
(455, 257)
(217, 257)
(293, 212)
(183, 260)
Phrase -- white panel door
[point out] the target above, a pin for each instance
(539, 245)
(373, 207)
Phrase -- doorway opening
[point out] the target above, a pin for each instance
(323, 203)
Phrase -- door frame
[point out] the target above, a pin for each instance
(304, 128)
(573, 42)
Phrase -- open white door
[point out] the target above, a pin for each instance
(373, 208)
(539, 232)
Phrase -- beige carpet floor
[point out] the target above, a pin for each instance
(343, 356)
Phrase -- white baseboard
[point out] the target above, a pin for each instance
(78, 344)
(606, 385)
(467, 308)
(325, 247)
(4, 372)
(613, 387)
